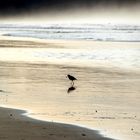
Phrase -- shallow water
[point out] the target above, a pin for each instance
(100, 32)
(106, 99)
(121, 57)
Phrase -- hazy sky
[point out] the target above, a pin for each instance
(67, 11)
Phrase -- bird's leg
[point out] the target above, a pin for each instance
(72, 83)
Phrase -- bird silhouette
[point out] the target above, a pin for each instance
(72, 78)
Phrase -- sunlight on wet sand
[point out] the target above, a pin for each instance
(105, 98)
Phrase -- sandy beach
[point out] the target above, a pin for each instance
(106, 96)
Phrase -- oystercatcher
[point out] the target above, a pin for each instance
(72, 78)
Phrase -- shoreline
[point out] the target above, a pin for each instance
(42, 51)
(27, 115)
(64, 41)
(12, 120)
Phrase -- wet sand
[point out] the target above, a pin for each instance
(15, 126)
(105, 98)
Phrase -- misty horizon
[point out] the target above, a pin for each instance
(85, 11)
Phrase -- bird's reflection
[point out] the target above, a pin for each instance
(71, 88)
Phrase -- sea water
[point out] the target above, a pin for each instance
(98, 32)
(120, 57)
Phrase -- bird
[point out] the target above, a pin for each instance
(72, 78)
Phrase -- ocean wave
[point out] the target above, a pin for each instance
(95, 32)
